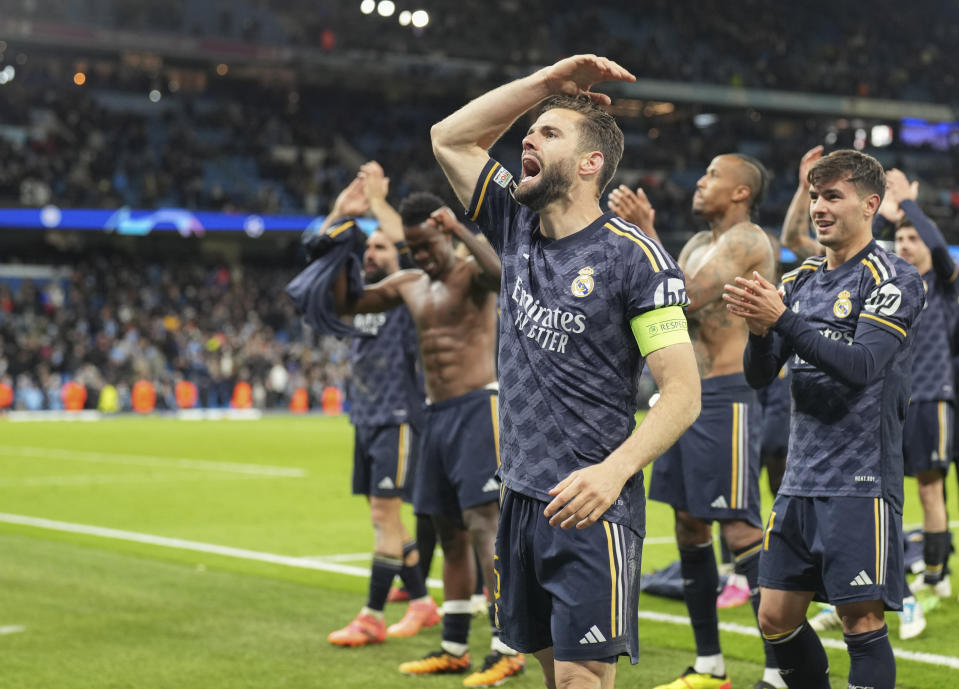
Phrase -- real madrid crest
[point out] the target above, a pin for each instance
(583, 283)
(843, 305)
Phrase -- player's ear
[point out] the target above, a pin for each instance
(870, 204)
(591, 163)
(741, 193)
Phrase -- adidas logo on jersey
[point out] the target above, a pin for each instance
(386, 484)
(491, 486)
(593, 636)
(720, 503)
(862, 579)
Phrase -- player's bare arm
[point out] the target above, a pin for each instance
(486, 266)
(795, 232)
(386, 294)
(376, 186)
(738, 251)
(583, 497)
(462, 140)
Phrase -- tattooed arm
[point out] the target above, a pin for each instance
(795, 233)
(740, 250)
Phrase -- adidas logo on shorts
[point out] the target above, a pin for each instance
(491, 486)
(386, 483)
(593, 636)
(720, 503)
(862, 579)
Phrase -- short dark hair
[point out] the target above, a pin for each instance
(418, 207)
(758, 181)
(597, 132)
(863, 171)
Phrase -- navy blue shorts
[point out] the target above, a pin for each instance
(383, 460)
(844, 549)
(575, 590)
(775, 401)
(712, 471)
(459, 455)
(927, 437)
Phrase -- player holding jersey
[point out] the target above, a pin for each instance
(845, 322)
(585, 298)
(386, 401)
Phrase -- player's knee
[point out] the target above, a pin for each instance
(772, 621)
(481, 523)
(577, 676)
(382, 515)
(690, 530)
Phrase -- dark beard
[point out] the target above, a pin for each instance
(371, 277)
(554, 184)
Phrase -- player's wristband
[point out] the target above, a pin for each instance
(660, 328)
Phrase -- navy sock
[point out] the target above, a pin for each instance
(746, 563)
(479, 575)
(801, 658)
(385, 568)
(456, 625)
(700, 581)
(725, 552)
(871, 663)
(935, 552)
(412, 576)
(426, 539)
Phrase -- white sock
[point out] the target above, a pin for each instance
(454, 648)
(378, 614)
(771, 676)
(710, 665)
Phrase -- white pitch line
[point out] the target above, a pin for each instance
(210, 548)
(310, 563)
(341, 557)
(115, 479)
(929, 658)
(12, 629)
(149, 461)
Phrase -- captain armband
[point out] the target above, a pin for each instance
(660, 328)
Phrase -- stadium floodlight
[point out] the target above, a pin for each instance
(420, 18)
(155, 96)
(881, 135)
(386, 8)
(406, 17)
(367, 6)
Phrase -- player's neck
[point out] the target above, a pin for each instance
(568, 216)
(719, 225)
(836, 256)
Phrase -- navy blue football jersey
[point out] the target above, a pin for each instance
(568, 360)
(386, 383)
(847, 441)
(932, 373)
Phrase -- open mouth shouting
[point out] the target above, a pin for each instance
(531, 168)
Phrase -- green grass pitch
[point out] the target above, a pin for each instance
(99, 612)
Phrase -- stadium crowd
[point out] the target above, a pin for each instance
(113, 320)
(231, 148)
(763, 45)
